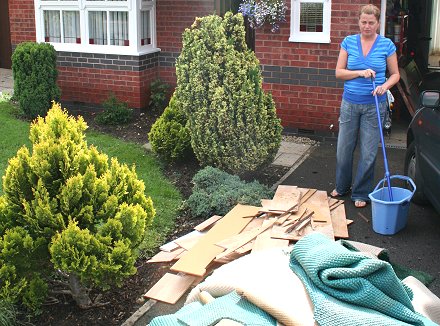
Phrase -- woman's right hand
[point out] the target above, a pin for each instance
(367, 73)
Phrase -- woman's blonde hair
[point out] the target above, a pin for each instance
(370, 10)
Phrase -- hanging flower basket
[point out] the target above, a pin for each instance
(259, 12)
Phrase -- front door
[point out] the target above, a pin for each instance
(5, 36)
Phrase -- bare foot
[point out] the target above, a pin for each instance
(360, 203)
(334, 193)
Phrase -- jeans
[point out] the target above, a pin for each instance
(357, 120)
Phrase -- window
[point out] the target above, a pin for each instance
(310, 21)
(145, 27)
(97, 26)
(147, 23)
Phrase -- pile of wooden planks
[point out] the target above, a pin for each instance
(292, 213)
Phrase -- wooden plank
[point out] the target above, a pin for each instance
(232, 241)
(321, 220)
(339, 222)
(172, 245)
(284, 199)
(332, 201)
(207, 223)
(338, 203)
(325, 229)
(278, 233)
(318, 203)
(188, 242)
(251, 235)
(236, 239)
(181, 254)
(245, 248)
(165, 256)
(264, 241)
(307, 194)
(293, 217)
(170, 287)
(228, 258)
(196, 260)
(255, 223)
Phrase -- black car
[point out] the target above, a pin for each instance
(422, 162)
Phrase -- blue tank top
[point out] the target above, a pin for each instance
(358, 90)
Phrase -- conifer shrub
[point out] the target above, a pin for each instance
(35, 77)
(115, 112)
(216, 192)
(232, 121)
(169, 136)
(158, 95)
(68, 213)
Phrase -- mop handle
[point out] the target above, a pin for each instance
(387, 171)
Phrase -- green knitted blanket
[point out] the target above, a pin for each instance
(349, 288)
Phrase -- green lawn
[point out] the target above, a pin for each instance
(166, 198)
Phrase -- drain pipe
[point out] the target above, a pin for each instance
(383, 11)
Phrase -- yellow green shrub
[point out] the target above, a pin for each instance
(232, 121)
(69, 210)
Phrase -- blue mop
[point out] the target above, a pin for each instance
(379, 121)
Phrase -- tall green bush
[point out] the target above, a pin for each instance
(169, 136)
(233, 123)
(35, 77)
(68, 213)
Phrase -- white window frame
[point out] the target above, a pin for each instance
(146, 5)
(309, 37)
(133, 7)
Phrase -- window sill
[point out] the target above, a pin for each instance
(104, 49)
(308, 39)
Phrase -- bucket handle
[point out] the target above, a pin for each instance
(403, 177)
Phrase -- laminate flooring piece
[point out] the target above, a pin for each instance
(170, 287)
(195, 261)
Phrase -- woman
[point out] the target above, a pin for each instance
(362, 57)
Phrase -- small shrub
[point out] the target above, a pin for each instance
(169, 136)
(159, 95)
(35, 77)
(5, 97)
(115, 112)
(216, 192)
(68, 212)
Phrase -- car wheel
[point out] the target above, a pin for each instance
(412, 171)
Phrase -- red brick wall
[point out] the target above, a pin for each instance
(83, 84)
(172, 19)
(301, 106)
(22, 21)
(93, 86)
(304, 105)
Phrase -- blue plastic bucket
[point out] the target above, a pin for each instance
(389, 217)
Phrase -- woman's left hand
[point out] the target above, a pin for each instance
(380, 90)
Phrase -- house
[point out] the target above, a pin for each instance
(122, 45)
